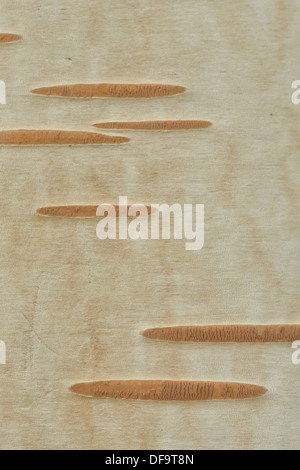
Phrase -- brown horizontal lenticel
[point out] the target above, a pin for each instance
(78, 211)
(53, 137)
(155, 125)
(110, 90)
(227, 333)
(168, 390)
(7, 37)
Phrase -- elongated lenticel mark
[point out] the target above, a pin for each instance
(110, 90)
(6, 37)
(168, 390)
(155, 125)
(50, 137)
(78, 211)
(227, 333)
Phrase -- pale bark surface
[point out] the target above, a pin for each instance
(73, 307)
